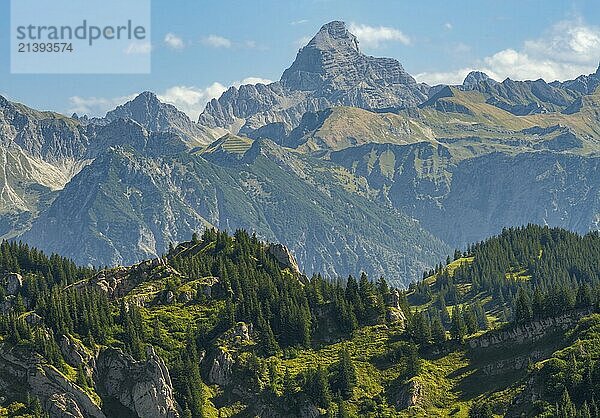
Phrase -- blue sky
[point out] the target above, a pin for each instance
(200, 47)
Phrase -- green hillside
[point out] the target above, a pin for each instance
(505, 328)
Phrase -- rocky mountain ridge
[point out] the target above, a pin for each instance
(339, 130)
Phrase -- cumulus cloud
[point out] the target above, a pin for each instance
(566, 50)
(189, 99)
(375, 37)
(216, 41)
(447, 77)
(95, 106)
(252, 80)
(448, 26)
(173, 41)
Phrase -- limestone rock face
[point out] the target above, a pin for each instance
(529, 332)
(284, 256)
(13, 282)
(225, 354)
(59, 396)
(394, 311)
(75, 354)
(221, 368)
(144, 387)
(410, 395)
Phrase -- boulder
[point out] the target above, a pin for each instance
(168, 297)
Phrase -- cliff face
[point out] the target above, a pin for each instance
(24, 372)
(141, 388)
(530, 332)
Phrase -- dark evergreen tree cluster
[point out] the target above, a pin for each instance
(286, 309)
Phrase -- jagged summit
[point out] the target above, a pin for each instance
(333, 35)
(333, 61)
(144, 105)
(475, 77)
(154, 115)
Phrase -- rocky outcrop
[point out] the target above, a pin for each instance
(119, 281)
(411, 394)
(12, 282)
(143, 387)
(76, 354)
(221, 367)
(59, 397)
(394, 312)
(223, 357)
(529, 332)
(284, 256)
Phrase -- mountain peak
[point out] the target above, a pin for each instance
(334, 35)
(598, 70)
(475, 77)
(329, 71)
(146, 96)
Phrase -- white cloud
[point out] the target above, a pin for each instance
(566, 50)
(189, 99)
(299, 22)
(448, 26)
(216, 41)
(374, 37)
(173, 41)
(252, 80)
(138, 48)
(95, 106)
(449, 77)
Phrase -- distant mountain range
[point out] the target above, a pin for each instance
(347, 160)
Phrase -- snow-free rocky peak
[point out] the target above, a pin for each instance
(329, 71)
(154, 115)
